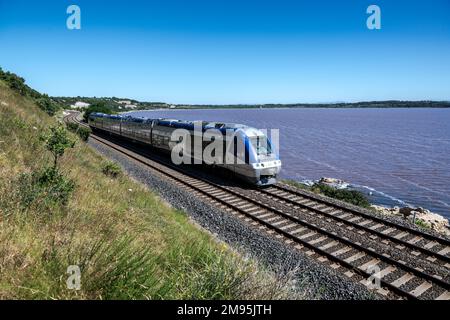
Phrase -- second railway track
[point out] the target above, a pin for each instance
(425, 245)
(415, 265)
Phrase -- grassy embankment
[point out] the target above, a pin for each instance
(128, 243)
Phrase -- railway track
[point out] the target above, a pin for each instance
(408, 264)
(429, 246)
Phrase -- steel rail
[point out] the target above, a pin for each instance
(357, 226)
(365, 215)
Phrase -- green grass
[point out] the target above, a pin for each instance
(422, 224)
(128, 243)
(350, 196)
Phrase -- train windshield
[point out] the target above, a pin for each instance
(261, 144)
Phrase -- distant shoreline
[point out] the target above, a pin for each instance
(283, 107)
(271, 108)
(356, 105)
(123, 104)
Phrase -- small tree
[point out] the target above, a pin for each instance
(57, 141)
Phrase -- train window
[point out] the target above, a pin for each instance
(261, 145)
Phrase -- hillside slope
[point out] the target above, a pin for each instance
(127, 242)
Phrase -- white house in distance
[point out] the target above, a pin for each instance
(79, 105)
(127, 104)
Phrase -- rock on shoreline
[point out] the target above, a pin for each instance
(333, 182)
(435, 221)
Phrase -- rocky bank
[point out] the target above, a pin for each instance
(423, 217)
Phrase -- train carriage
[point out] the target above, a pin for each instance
(252, 156)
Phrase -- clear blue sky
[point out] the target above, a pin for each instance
(230, 51)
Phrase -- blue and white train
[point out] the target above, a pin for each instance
(260, 167)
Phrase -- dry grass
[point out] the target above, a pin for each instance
(128, 243)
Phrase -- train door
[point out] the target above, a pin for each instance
(241, 156)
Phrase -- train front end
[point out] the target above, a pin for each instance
(263, 160)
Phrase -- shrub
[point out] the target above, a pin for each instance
(84, 133)
(72, 126)
(48, 187)
(350, 196)
(46, 104)
(111, 169)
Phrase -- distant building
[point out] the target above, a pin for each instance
(126, 102)
(131, 106)
(79, 105)
(172, 107)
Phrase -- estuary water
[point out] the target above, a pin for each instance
(397, 157)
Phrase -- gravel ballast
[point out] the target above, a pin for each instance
(317, 281)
